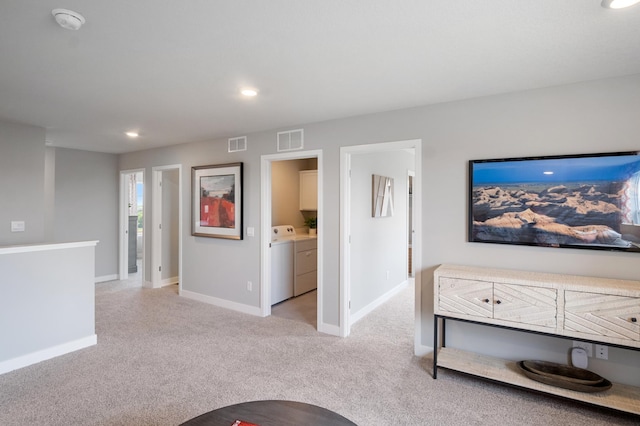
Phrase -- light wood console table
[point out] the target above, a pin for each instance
(589, 309)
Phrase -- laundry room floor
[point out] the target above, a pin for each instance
(302, 308)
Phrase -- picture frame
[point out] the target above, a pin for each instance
(216, 192)
(582, 201)
(381, 196)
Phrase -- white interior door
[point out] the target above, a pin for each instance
(166, 238)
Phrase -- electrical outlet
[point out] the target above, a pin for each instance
(602, 352)
(584, 345)
(249, 286)
(388, 274)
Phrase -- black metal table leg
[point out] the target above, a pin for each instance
(435, 347)
(444, 331)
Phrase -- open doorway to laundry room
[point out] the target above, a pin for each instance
(131, 259)
(292, 237)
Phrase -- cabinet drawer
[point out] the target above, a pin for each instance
(304, 245)
(467, 297)
(602, 315)
(306, 261)
(525, 304)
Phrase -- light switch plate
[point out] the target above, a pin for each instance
(17, 226)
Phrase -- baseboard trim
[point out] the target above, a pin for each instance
(422, 350)
(355, 317)
(222, 303)
(105, 278)
(45, 354)
(164, 283)
(333, 330)
(169, 281)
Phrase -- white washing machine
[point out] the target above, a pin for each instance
(282, 278)
(293, 263)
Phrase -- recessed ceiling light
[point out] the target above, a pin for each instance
(547, 173)
(132, 134)
(618, 4)
(249, 92)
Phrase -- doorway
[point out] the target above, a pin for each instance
(267, 220)
(294, 205)
(166, 237)
(374, 282)
(132, 214)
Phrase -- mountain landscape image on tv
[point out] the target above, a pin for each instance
(579, 201)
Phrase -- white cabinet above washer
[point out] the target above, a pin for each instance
(309, 190)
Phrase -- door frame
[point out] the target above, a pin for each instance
(265, 235)
(345, 226)
(156, 218)
(123, 268)
(411, 179)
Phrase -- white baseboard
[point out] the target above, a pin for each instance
(45, 354)
(422, 350)
(333, 330)
(105, 278)
(357, 316)
(234, 306)
(164, 283)
(169, 281)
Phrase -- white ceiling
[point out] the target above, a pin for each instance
(173, 69)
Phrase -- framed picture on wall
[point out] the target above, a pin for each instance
(217, 201)
(381, 196)
(585, 201)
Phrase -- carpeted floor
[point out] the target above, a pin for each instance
(162, 359)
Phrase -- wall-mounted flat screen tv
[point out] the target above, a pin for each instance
(579, 201)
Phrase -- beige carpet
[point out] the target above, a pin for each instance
(162, 359)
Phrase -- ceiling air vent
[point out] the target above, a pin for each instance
(238, 144)
(290, 140)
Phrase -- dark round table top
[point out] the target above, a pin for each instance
(271, 413)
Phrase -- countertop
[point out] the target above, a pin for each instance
(288, 239)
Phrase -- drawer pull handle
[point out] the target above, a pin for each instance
(485, 300)
(634, 319)
(498, 301)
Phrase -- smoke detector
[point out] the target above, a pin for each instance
(68, 19)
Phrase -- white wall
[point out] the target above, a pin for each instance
(49, 192)
(378, 245)
(86, 203)
(588, 117)
(170, 224)
(47, 306)
(62, 195)
(22, 196)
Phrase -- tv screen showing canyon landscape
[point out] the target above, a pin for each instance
(578, 201)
